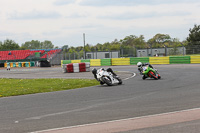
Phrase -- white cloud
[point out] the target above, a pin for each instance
(64, 2)
(65, 21)
(131, 2)
(35, 15)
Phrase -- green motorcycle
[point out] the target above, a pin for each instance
(150, 72)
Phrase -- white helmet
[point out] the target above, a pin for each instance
(139, 64)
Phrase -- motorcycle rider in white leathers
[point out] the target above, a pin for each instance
(94, 71)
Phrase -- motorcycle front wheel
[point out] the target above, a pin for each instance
(152, 75)
(120, 81)
(107, 80)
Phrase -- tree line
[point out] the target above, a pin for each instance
(131, 41)
(138, 42)
(9, 44)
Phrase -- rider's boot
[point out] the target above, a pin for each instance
(101, 83)
(144, 77)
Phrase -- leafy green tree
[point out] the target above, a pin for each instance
(127, 41)
(87, 48)
(139, 42)
(134, 41)
(185, 42)
(99, 47)
(47, 45)
(106, 47)
(71, 49)
(34, 44)
(79, 48)
(93, 48)
(65, 48)
(194, 36)
(1, 45)
(115, 45)
(159, 40)
(9, 45)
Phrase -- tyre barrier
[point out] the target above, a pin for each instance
(195, 59)
(19, 64)
(159, 60)
(76, 67)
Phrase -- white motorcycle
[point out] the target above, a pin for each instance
(107, 77)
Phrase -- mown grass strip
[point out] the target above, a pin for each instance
(14, 87)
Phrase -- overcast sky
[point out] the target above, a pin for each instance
(63, 22)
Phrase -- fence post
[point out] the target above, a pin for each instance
(183, 49)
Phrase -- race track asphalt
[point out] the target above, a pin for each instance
(178, 89)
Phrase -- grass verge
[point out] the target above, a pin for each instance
(14, 87)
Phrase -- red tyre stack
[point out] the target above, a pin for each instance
(70, 68)
(76, 67)
(82, 67)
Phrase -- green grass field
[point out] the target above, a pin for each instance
(14, 87)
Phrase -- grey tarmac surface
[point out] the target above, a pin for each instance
(179, 89)
(48, 72)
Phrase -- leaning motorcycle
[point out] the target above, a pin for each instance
(150, 72)
(107, 77)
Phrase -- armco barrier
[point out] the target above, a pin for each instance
(179, 59)
(106, 62)
(95, 62)
(75, 61)
(120, 61)
(194, 59)
(66, 61)
(61, 63)
(87, 60)
(159, 60)
(135, 60)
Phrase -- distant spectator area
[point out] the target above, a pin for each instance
(51, 53)
(24, 54)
